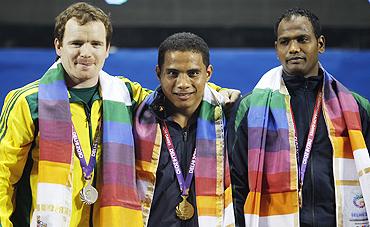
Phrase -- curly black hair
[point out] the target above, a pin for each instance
(184, 41)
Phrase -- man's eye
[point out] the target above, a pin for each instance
(303, 39)
(193, 73)
(76, 44)
(283, 42)
(172, 73)
(96, 44)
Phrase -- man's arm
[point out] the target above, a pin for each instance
(139, 93)
(237, 145)
(231, 95)
(16, 136)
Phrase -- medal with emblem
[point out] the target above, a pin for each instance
(184, 210)
(89, 194)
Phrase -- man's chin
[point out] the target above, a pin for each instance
(87, 73)
(294, 71)
(182, 106)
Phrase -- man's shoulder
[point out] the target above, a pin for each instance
(240, 108)
(27, 92)
(362, 102)
(21, 100)
(360, 99)
(129, 84)
(124, 79)
(245, 99)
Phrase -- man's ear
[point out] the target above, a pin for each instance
(209, 72)
(275, 44)
(321, 44)
(58, 47)
(108, 49)
(158, 72)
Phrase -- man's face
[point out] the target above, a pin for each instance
(183, 77)
(83, 51)
(297, 47)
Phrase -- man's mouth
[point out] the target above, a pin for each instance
(183, 95)
(295, 59)
(84, 63)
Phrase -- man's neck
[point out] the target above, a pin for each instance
(181, 119)
(180, 116)
(81, 84)
(305, 76)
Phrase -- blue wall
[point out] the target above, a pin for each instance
(234, 68)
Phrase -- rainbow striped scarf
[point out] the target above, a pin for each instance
(118, 200)
(214, 202)
(272, 164)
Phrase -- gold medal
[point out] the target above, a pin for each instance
(89, 194)
(184, 210)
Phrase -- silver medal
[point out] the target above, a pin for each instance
(89, 194)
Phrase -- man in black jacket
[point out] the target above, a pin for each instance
(182, 169)
(292, 141)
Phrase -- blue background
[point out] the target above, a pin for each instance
(233, 68)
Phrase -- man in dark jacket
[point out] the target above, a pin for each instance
(182, 169)
(298, 143)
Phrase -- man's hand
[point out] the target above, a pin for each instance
(230, 96)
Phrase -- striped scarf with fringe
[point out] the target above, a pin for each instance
(212, 178)
(118, 199)
(272, 163)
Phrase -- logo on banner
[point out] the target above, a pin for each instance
(358, 201)
(358, 215)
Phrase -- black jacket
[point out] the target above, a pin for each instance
(167, 193)
(318, 186)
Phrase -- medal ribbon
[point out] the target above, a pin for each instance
(184, 184)
(311, 135)
(86, 168)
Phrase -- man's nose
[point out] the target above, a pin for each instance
(294, 47)
(183, 81)
(85, 50)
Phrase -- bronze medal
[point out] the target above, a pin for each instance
(184, 210)
(89, 194)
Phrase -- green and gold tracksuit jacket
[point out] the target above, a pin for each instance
(19, 152)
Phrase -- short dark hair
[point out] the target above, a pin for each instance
(183, 41)
(287, 15)
(84, 13)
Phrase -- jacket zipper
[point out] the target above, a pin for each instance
(312, 159)
(88, 123)
(185, 139)
(185, 133)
